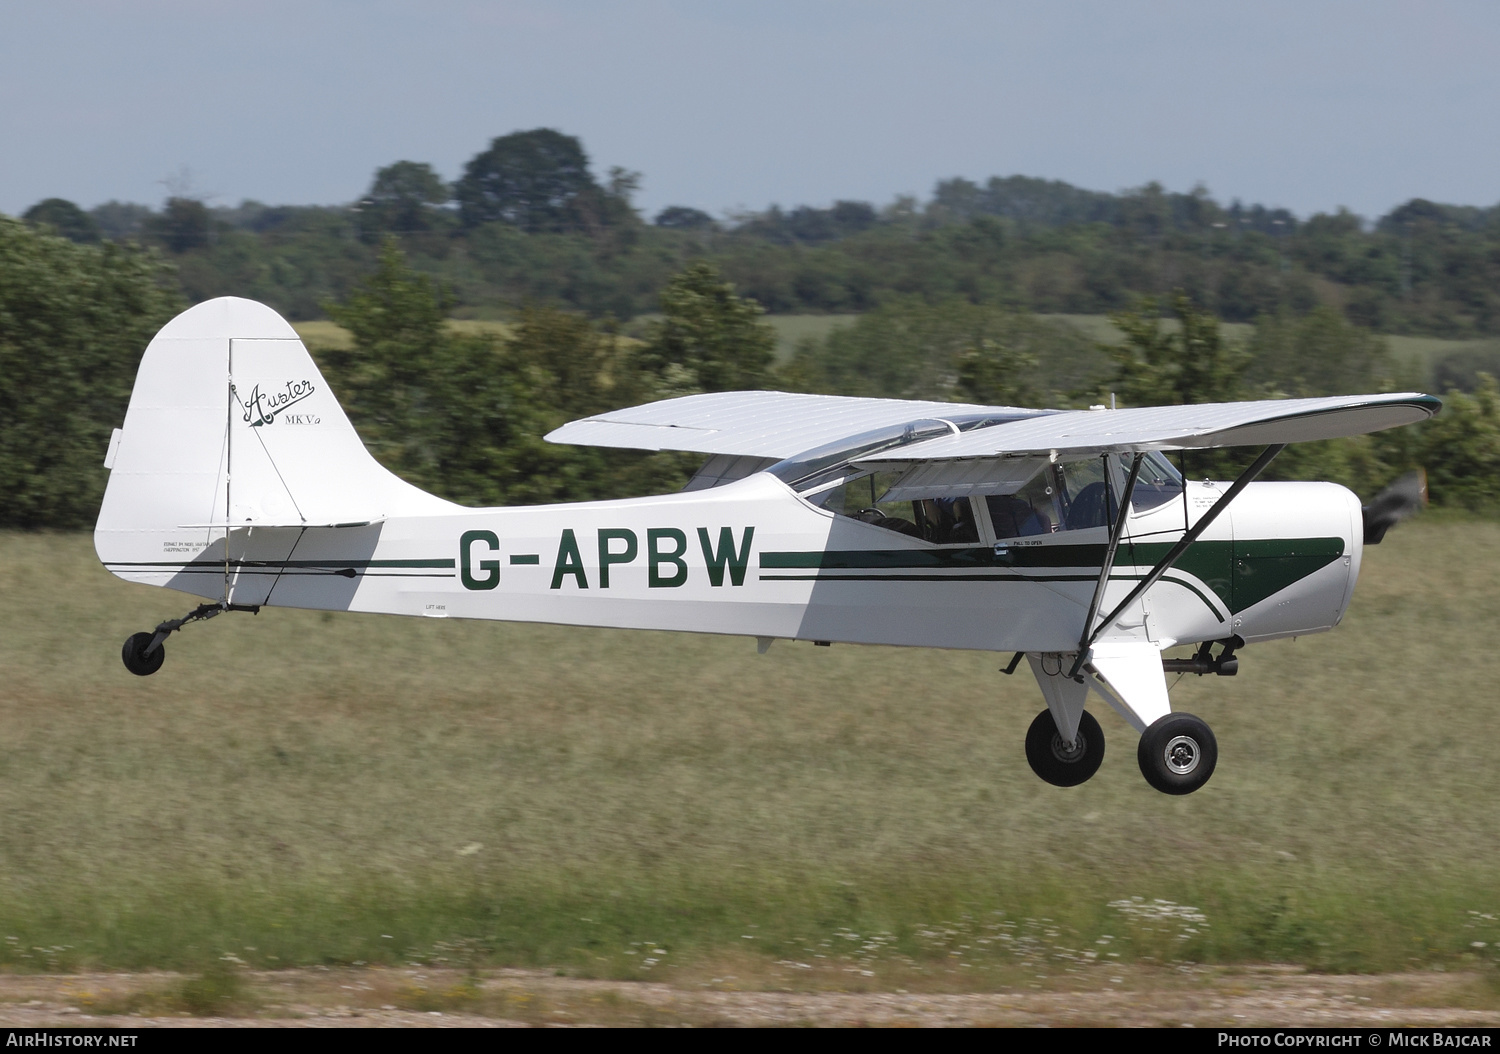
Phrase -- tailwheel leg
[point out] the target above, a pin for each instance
(1177, 753)
(1064, 764)
(143, 653)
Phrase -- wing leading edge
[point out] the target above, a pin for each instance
(784, 424)
(759, 424)
(1194, 426)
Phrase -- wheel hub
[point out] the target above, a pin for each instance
(1182, 755)
(1069, 752)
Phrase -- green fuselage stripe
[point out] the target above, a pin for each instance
(1240, 573)
(992, 577)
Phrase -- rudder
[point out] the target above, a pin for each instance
(233, 441)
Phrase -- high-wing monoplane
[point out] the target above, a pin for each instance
(1067, 538)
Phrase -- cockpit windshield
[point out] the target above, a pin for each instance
(799, 472)
(1158, 483)
(805, 471)
(937, 502)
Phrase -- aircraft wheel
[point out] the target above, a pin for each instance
(1178, 753)
(135, 657)
(1051, 758)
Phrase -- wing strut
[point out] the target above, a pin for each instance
(1116, 531)
(1188, 538)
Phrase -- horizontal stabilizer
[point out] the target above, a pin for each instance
(267, 525)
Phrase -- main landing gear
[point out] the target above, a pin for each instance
(1177, 753)
(144, 653)
(1064, 764)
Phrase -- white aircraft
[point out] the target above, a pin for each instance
(1066, 537)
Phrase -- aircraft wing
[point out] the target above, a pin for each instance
(1194, 426)
(758, 424)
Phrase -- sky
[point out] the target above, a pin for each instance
(730, 106)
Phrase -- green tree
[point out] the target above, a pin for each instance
(1023, 360)
(952, 349)
(74, 320)
(405, 198)
(392, 381)
(684, 218)
(64, 217)
(120, 221)
(464, 416)
(1160, 365)
(537, 181)
(563, 368)
(708, 339)
(1460, 449)
(1321, 353)
(183, 224)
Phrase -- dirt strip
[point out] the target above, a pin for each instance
(373, 998)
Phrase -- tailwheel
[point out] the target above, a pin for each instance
(1177, 753)
(140, 661)
(1064, 764)
(145, 652)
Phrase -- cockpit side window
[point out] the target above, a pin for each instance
(1073, 496)
(1031, 510)
(946, 521)
(1077, 495)
(1088, 499)
(941, 521)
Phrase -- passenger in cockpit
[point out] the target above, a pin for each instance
(1014, 517)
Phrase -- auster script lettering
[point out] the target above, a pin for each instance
(261, 407)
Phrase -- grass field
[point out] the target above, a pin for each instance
(1428, 351)
(302, 788)
(1423, 352)
(1100, 328)
(325, 334)
(792, 330)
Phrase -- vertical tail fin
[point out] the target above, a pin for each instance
(232, 431)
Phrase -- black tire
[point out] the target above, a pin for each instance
(1178, 753)
(1052, 761)
(135, 658)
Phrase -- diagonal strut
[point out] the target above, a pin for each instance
(1117, 530)
(1188, 538)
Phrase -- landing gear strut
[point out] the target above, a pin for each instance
(144, 653)
(1064, 764)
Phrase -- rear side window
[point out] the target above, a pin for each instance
(941, 521)
(1031, 510)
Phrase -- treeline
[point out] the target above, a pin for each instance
(463, 414)
(527, 222)
(460, 414)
